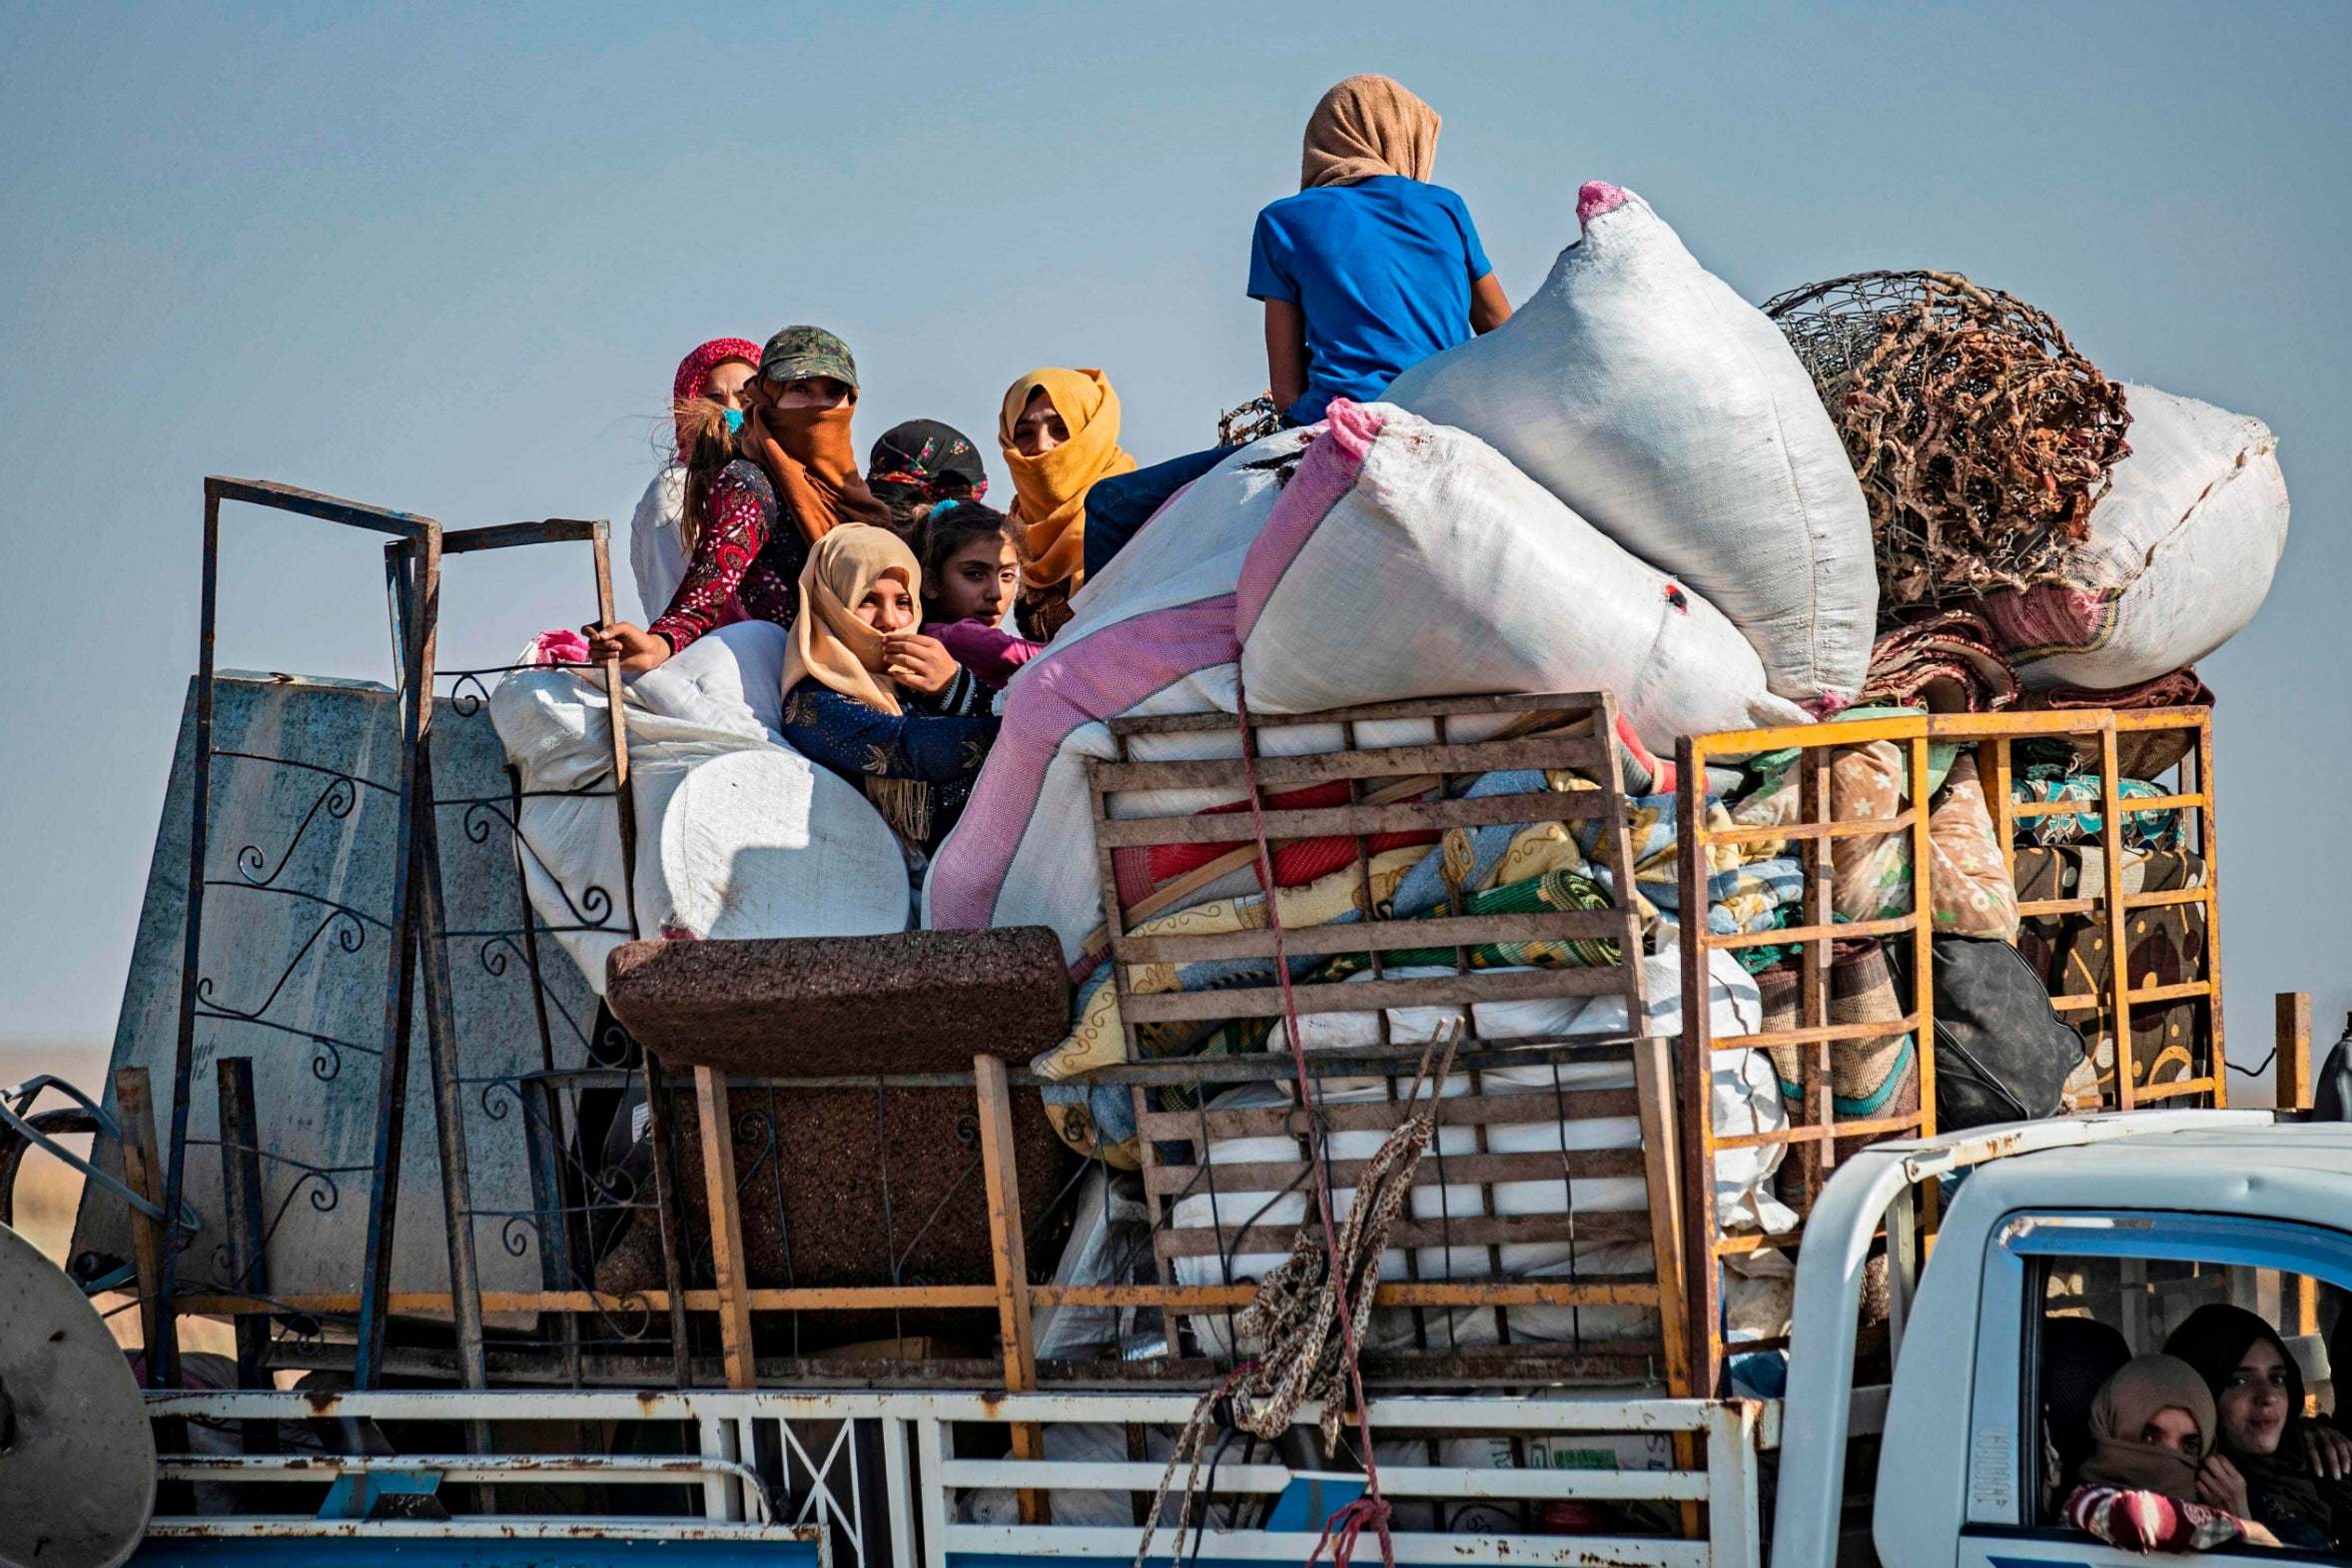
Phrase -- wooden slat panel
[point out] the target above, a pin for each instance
(1379, 936)
(1550, 704)
(1404, 816)
(1365, 995)
(1323, 767)
(1577, 1165)
(1467, 1230)
(1515, 1109)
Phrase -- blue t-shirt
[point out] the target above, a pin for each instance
(1382, 270)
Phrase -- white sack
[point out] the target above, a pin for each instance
(1670, 413)
(1746, 1100)
(770, 846)
(2181, 555)
(1408, 559)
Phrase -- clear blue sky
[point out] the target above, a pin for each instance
(446, 258)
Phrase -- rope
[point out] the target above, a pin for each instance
(1297, 1305)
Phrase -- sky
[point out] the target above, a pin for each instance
(446, 258)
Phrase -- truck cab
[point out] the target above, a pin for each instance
(2127, 1220)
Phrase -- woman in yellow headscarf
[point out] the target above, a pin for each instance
(861, 686)
(1060, 431)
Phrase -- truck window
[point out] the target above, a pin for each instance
(2071, 1296)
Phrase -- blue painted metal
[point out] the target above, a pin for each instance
(355, 1495)
(618, 1551)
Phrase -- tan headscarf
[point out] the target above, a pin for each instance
(2124, 1408)
(808, 455)
(1050, 489)
(1369, 126)
(829, 643)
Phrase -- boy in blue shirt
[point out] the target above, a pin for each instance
(1370, 269)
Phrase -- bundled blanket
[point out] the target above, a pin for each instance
(1946, 663)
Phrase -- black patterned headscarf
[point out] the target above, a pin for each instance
(924, 460)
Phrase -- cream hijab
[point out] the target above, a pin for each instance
(829, 643)
(1366, 127)
(2124, 1408)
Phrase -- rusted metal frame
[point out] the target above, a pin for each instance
(1375, 762)
(1275, 1121)
(559, 1241)
(1818, 1033)
(417, 565)
(1375, 937)
(1470, 1230)
(1009, 1250)
(1922, 937)
(1857, 827)
(1702, 1275)
(507, 535)
(2291, 1050)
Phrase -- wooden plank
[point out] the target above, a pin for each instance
(2291, 1023)
(1814, 1133)
(1311, 822)
(1009, 1251)
(2027, 809)
(1816, 1075)
(1525, 1105)
(1324, 767)
(1856, 827)
(2210, 841)
(1469, 1230)
(2084, 1001)
(1365, 995)
(1379, 936)
(1995, 770)
(1538, 705)
(1815, 1034)
(143, 1172)
(1842, 931)
(1255, 1176)
(2120, 966)
(1653, 1086)
(1695, 1127)
(729, 1264)
(1923, 962)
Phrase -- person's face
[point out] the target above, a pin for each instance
(807, 391)
(887, 606)
(724, 384)
(1039, 429)
(2253, 1403)
(2176, 1429)
(978, 580)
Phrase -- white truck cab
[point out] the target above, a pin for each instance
(2123, 1217)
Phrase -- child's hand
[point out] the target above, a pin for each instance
(918, 662)
(637, 648)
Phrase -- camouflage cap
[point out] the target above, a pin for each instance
(798, 352)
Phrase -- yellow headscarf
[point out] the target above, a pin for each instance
(1369, 126)
(1049, 490)
(829, 642)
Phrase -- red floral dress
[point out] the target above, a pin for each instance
(749, 552)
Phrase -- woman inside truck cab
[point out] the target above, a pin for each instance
(795, 478)
(2281, 1468)
(2144, 1487)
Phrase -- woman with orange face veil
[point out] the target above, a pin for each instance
(794, 481)
(1060, 432)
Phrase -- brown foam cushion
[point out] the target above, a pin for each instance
(907, 1002)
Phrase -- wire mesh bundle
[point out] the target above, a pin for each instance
(1982, 438)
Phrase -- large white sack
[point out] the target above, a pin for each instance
(1214, 519)
(1746, 1100)
(1670, 413)
(1408, 559)
(2181, 555)
(771, 845)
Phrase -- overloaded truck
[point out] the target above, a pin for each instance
(1613, 960)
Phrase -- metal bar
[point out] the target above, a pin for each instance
(1922, 937)
(2291, 1021)
(505, 535)
(2208, 840)
(1377, 936)
(2120, 966)
(310, 503)
(729, 1265)
(163, 1348)
(1367, 994)
(241, 1204)
(408, 576)
(1857, 827)
(1414, 708)
(1324, 767)
(1106, 1543)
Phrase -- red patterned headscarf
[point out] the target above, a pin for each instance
(693, 377)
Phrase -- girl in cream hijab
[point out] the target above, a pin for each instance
(859, 685)
(2153, 1430)
(1060, 432)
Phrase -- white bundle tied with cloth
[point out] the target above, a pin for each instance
(737, 834)
(1671, 414)
(2181, 551)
